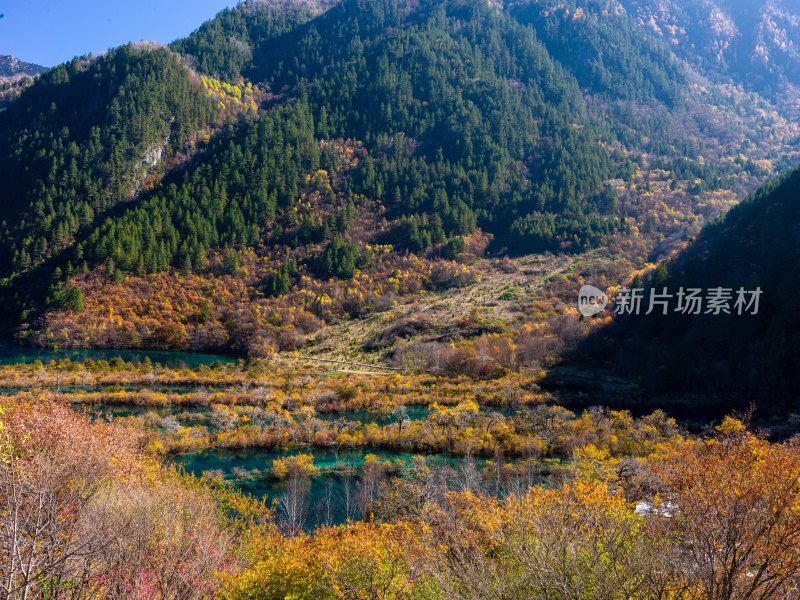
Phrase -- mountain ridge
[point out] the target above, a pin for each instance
(723, 36)
(414, 137)
(747, 354)
(12, 67)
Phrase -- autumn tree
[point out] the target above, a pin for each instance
(733, 506)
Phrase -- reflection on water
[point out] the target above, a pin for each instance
(330, 498)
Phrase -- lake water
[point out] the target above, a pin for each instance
(174, 360)
(328, 498)
(331, 497)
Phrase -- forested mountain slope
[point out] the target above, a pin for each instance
(755, 43)
(465, 114)
(225, 46)
(292, 165)
(78, 143)
(83, 139)
(750, 46)
(740, 357)
(607, 50)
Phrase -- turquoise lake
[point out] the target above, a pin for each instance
(174, 360)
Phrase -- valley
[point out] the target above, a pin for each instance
(289, 306)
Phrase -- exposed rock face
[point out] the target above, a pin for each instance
(14, 68)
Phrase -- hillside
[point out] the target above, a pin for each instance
(445, 60)
(226, 46)
(298, 174)
(80, 141)
(11, 67)
(15, 75)
(754, 42)
(740, 357)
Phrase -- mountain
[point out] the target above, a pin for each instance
(755, 43)
(292, 166)
(742, 358)
(84, 139)
(15, 75)
(224, 47)
(608, 52)
(12, 68)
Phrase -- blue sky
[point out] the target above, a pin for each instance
(49, 32)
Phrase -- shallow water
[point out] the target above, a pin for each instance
(10, 355)
(329, 499)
